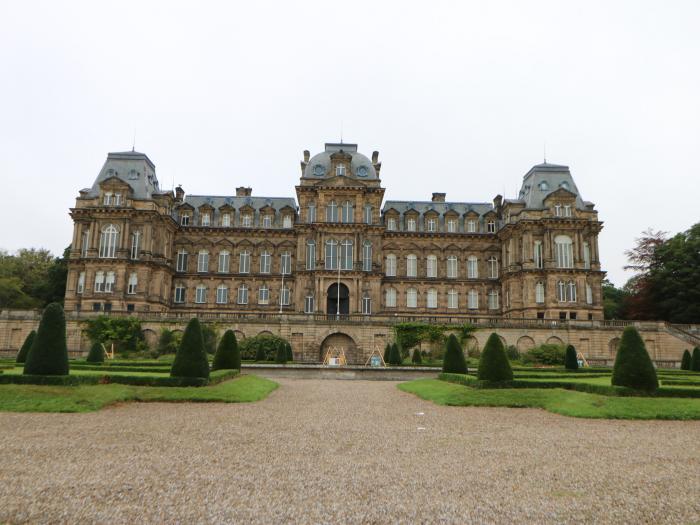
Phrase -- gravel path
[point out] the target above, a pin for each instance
(344, 451)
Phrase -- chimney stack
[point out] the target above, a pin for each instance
(439, 197)
(242, 191)
(307, 155)
(179, 194)
(375, 157)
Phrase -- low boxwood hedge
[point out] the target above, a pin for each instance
(72, 380)
(146, 369)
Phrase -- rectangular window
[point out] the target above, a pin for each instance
(226, 220)
(472, 268)
(80, 288)
(286, 263)
(431, 266)
(109, 282)
(310, 255)
(222, 295)
(85, 244)
(247, 221)
(411, 225)
(452, 267)
(346, 255)
(493, 268)
(185, 220)
(473, 300)
(203, 262)
(224, 262)
(537, 254)
(117, 199)
(107, 199)
(267, 221)
(586, 256)
(432, 225)
(263, 295)
(200, 295)
(539, 293)
(179, 294)
(309, 304)
(390, 269)
(287, 221)
(368, 214)
(493, 300)
(452, 299)
(243, 295)
(332, 212)
(348, 213)
(135, 241)
(311, 215)
(390, 298)
(284, 296)
(133, 282)
(244, 263)
(411, 298)
(391, 224)
(567, 210)
(589, 294)
(432, 299)
(99, 282)
(181, 265)
(471, 226)
(452, 225)
(367, 305)
(265, 262)
(411, 266)
(367, 257)
(331, 255)
(491, 226)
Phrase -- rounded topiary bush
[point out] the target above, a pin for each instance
(686, 360)
(416, 359)
(633, 367)
(494, 365)
(453, 362)
(96, 354)
(290, 354)
(191, 358)
(227, 356)
(48, 354)
(570, 359)
(24, 350)
(281, 356)
(395, 355)
(695, 360)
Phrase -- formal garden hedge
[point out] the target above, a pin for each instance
(261, 347)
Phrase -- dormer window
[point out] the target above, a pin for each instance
(564, 185)
(432, 225)
(133, 175)
(411, 224)
(206, 219)
(185, 219)
(557, 210)
(226, 220)
(107, 199)
(544, 186)
(471, 226)
(117, 199)
(451, 225)
(391, 224)
(491, 226)
(247, 220)
(567, 210)
(340, 170)
(267, 221)
(287, 221)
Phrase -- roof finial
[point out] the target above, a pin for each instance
(544, 152)
(341, 131)
(133, 144)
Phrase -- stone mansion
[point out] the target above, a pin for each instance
(338, 249)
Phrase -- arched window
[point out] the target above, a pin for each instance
(491, 226)
(539, 292)
(563, 249)
(203, 261)
(564, 185)
(222, 294)
(431, 224)
(265, 262)
(348, 215)
(310, 254)
(452, 299)
(332, 212)
(432, 298)
(544, 186)
(411, 266)
(390, 268)
(411, 224)
(224, 261)
(135, 245)
(263, 295)
(367, 256)
(179, 293)
(331, 254)
(132, 284)
(206, 218)
(471, 226)
(200, 294)
(108, 242)
(493, 300)
(390, 297)
(561, 292)
(226, 220)
(244, 262)
(472, 267)
(431, 267)
(284, 296)
(411, 298)
(451, 225)
(346, 254)
(391, 224)
(493, 267)
(267, 221)
(571, 291)
(242, 294)
(181, 261)
(85, 244)
(286, 263)
(473, 299)
(452, 267)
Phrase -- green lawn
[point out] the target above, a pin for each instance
(559, 401)
(35, 398)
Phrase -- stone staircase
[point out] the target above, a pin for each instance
(688, 333)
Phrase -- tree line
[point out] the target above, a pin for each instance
(32, 278)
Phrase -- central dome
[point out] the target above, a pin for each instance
(319, 166)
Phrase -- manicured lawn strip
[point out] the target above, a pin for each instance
(87, 398)
(559, 401)
(148, 369)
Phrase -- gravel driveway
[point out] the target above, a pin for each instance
(344, 451)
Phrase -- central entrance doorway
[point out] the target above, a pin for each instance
(338, 301)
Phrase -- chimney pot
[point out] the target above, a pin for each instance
(243, 191)
(307, 155)
(439, 197)
(375, 157)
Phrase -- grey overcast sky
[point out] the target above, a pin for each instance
(458, 97)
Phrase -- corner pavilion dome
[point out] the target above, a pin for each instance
(319, 166)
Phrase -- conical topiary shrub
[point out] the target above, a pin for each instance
(387, 351)
(395, 355)
(454, 361)
(191, 358)
(227, 356)
(416, 359)
(48, 354)
(22, 354)
(686, 360)
(281, 354)
(570, 359)
(633, 367)
(695, 360)
(290, 354)
(260, 354)
(96, 354)
(494, 365)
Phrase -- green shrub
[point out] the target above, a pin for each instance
(546, 354)
(22, 354)
(494, 365)
(454, 362)
(48, 354)
(570, 360)
(96, 354)
(168, 341)
(191, 359)
(686, 360)
(281, 356)
(695, 360)
(124, 332)
(227, 356)
(512, 353)
(290, 354)
(395, 355)
(209, 337)
(261, 347)
(416, 359)
(387, 351)
(633, 367)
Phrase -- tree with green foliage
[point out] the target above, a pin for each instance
(570, 360)
(261, 347)
(96, 354)
(22, 354)
(395, 355)
(633, 367)
(387, 351)
(227, 356)
(167, 342)
(454, 361)
(124, 332)
(261, 354)
(209, 337)
(290, 354)
(48, 354)
(191, 359)
(32, 278)
(494, 365)
(416, 359)
(686, 360)
(281, 356)
(695, 360)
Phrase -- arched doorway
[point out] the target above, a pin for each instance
(342, 341)
(338, 299)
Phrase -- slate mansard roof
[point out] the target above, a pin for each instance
(132, 167)
(217, 201)
(319, 166)
(440, 207)
(544, 179)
